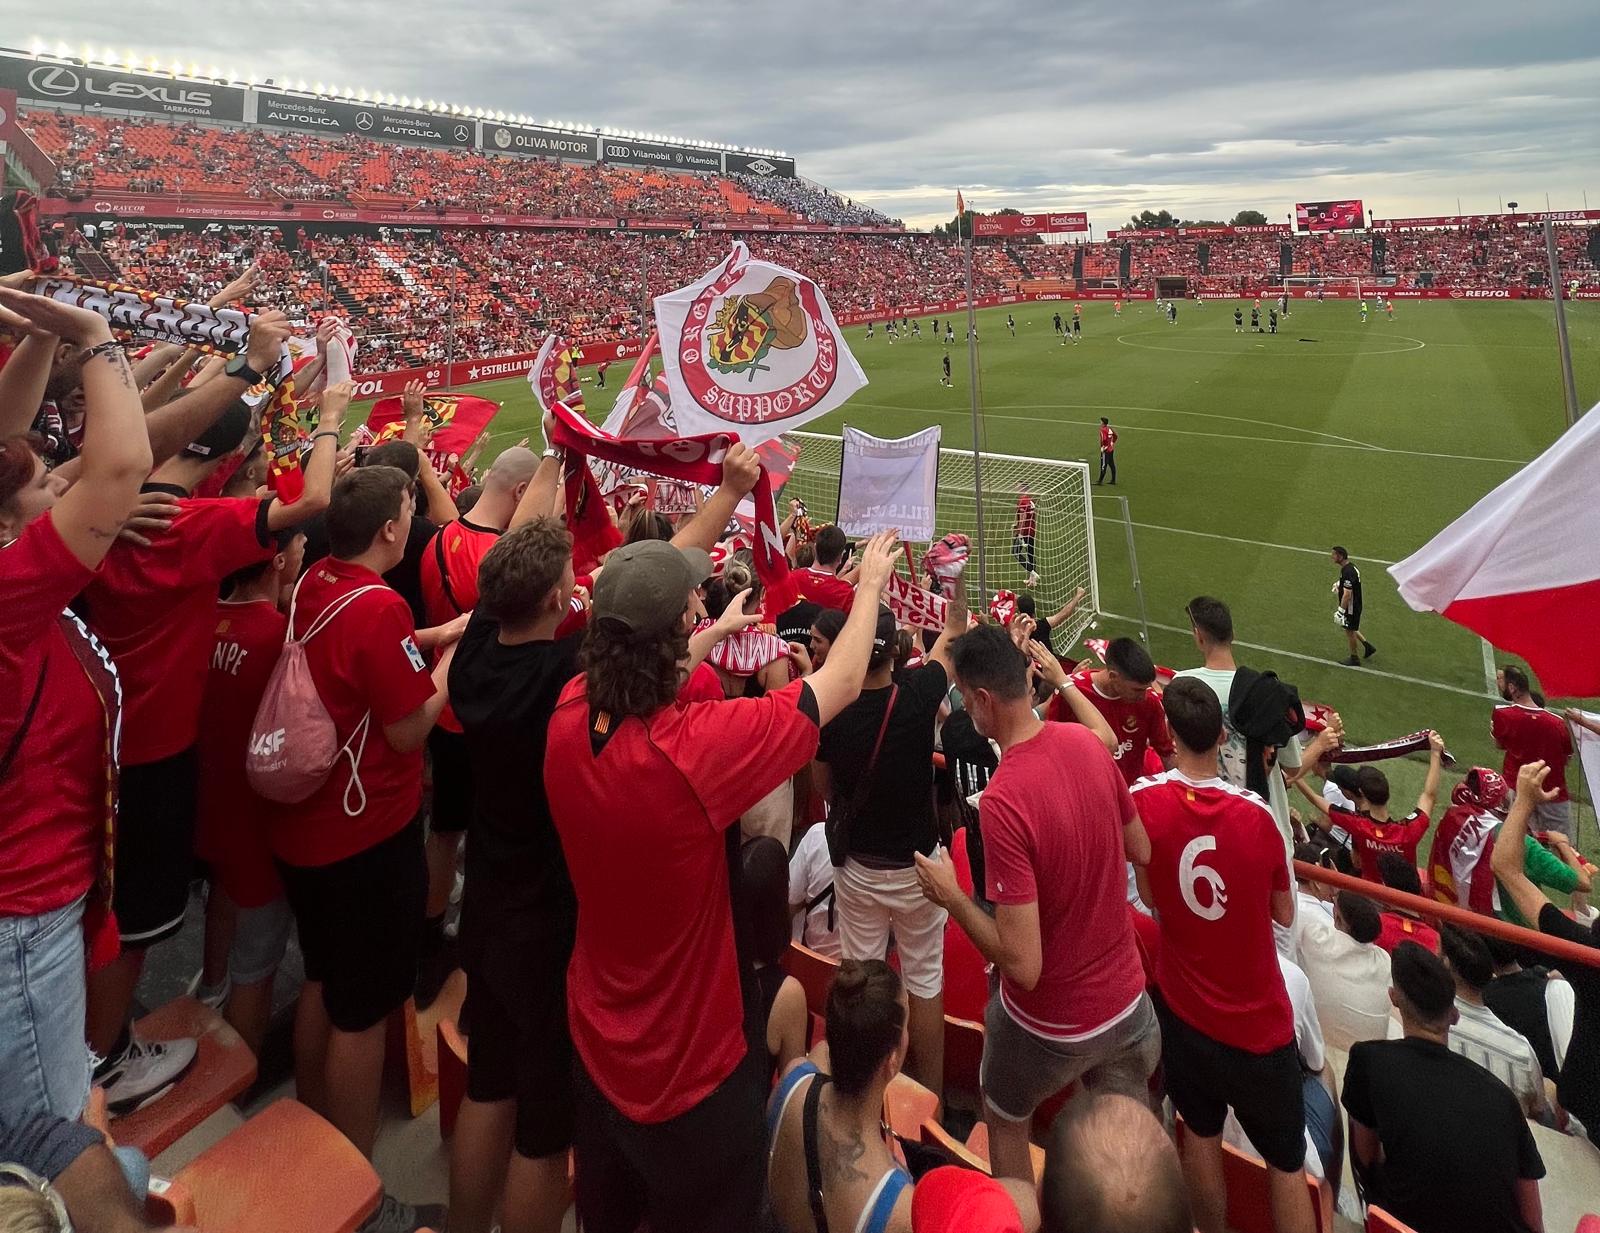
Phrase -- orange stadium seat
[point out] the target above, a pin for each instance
(1379, 1221)
(963, 1052)
(286, 1170)
(907, 1105)
(1249, 1204)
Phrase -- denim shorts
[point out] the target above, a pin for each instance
(43, 1056)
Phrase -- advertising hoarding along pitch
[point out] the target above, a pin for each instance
(95, 87)
(539, 141)
(316, 115)
(667, 157)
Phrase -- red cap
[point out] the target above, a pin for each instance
(956, 1200)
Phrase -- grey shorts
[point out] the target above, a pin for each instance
(259, 941)
(1554, 816)
(1020, 1071)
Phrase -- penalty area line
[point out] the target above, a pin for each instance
(1312, 659)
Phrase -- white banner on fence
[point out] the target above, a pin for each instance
(889, 485)
(1588, 746)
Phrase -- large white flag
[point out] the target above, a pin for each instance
(752, 348)
(889, 485)
(1522, 566)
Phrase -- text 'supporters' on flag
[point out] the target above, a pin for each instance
(459, 422)
(1521, 568)
(752, 349)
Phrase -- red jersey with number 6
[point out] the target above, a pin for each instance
(1215, 859)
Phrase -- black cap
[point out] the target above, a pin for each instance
(222, 437)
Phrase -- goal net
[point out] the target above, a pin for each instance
(1063, 542)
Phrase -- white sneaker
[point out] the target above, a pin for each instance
(214, 996)
(1033, 578)
(394, 1216)
(146, 1071)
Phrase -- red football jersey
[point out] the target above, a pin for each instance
(1372, 838)
(1108, 438)
(655, 932)
(1394, 929)
(153, 609)
(1532, 734)
(364, 661)
(823, 586)
(1139, 725)
(231, 819)
(1216, 859)
(449, 576)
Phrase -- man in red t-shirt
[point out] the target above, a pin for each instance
(449, 575)
(1373, 831)
(669, 1127)
(153, 606)
(350, 854)
(1058, 827)
(820, 581)
(247, 918)
(1108, 451)
(1122, 692)
(1529, 733)
(1217, 882)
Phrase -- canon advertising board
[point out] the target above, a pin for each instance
(77, 86)
(539, 142)
(316, 115)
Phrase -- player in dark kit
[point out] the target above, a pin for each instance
(1011, 324)
(1238, 321)
(1255, 321)
(1058, 323)
(1172, 312)
(1272, 320)
(949, 333)
(1108, 451)
(1348, 614)
(1077, 326)
(945, 380)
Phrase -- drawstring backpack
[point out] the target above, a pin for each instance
(293, 741)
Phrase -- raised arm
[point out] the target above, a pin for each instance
(539, 498)
(184, 418)
(955, 624)
(155, 362)
(25, 375)
(116, 452)
(1430, 786)
(740, 470)
(1083, 711)
(1066, 609)
(419, 431)
(733, 619)
(318, 464)
(838, 682)
(166, 383)
(1507, 861)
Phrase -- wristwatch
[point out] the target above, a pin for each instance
(239, 366)
(1065, 685)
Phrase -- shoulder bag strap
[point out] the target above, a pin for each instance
(808, 1135)
(27, 722)
(864, 784)
(334, 609)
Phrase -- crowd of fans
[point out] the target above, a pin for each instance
(664, 769)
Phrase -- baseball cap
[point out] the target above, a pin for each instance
(644, 586)
(1343, 775)
(222, 437)
(883, 637)
(956, 1200)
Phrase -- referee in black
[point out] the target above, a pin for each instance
(1348, 614)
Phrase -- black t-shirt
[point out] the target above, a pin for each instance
(1455, 1141)
(1518, 1001)
(896, 818)
(1579, 1084)
(518, 890)
(1350, 580)
(794, 625)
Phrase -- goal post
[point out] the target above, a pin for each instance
(1064, 548)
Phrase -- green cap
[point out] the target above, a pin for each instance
(645, 586)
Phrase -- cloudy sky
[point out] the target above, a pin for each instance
(1204, 109)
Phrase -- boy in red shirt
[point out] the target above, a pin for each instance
(350, 855)
(153, 607)
(247, 919)
(820, 582)
(1122, 692)
(1529, 733)
(1217, 881)
(1372, 830)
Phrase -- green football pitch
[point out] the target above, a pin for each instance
(1244, 456)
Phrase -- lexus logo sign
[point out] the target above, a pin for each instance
(363, 120)
(54, 81)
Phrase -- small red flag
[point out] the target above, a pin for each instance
(961, 205)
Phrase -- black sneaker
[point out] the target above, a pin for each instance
(394, 1216)
(1370, 651)
(1352, 662)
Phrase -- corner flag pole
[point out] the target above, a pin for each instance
(1569, 389)
(977, 452)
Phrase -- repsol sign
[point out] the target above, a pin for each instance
(82, 86)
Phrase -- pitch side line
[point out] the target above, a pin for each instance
(1311, 659)
(1234, 539)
